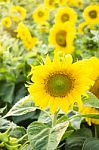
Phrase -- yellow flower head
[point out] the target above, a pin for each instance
(30, 42)
(94, 74)
(90, 110)
(40, 14)
(43, 27)
(50, 4)
(58, 83)
(18, 13)
(91, 14)
(61, 2)
(75, 3)
(6, 22)
(82, 26)
(62, 36)
(66, 14)
(22, 31)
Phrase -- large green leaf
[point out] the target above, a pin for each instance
(43, 137)
(91, 144)
(23, 106)
(76, 139)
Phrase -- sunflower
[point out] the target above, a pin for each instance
(91, 14)
(61, 2)
(40, 14)
(50, 4)
(90, 110)
(6, 22)
(30, 42)
(66, 14)
(82, 27)
(22, 31)
(18, 13)
(58, 83)
(62, 36)
(75, 3)
(94, 74)
(43, 27)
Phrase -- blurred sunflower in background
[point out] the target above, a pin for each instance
(40, 14)
(6, 22)
(61, 2)
(18, 13)
(66, 14)
(94, 74)
(90, 110)
(91, 14)
(50, 4)
(62, 37)
(82, 27)
(75, 3)
(58, 83)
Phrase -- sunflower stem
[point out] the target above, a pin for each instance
(96, 131)
(54, 119)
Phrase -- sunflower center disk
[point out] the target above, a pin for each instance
(40, 14)
(58, 85)
(65, 17)
(61, 38)
(93, 14)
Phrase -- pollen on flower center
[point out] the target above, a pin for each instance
(40, 13)
(61, 38)
(58, 85)
(93, 14)
(65, 17)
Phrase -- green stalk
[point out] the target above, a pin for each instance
(54, 119)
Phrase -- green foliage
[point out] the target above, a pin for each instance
(43, 137)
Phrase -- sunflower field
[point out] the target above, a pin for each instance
(49, 74)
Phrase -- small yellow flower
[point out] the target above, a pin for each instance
(50, 4)
(90, 110)
(18, 13)
(94, 74)
(61, 2)
(82, 26)
(91, 14)
(62, 36)
(22, 31)
(40, 14)
(75, 3)
(59, 83)
(6, 22)
(66, 14)
(30, 42)
(43, 27)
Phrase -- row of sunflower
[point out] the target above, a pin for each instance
(49, 51)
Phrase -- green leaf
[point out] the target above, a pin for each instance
(91, 100)
(26, 147)
(45, 117)
(18, 132)
(43, 137)
(91, 144)
(76, 139)
(5, 124)
(6, 91)
(23, 106)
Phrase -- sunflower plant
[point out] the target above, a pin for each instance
(49, 75)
